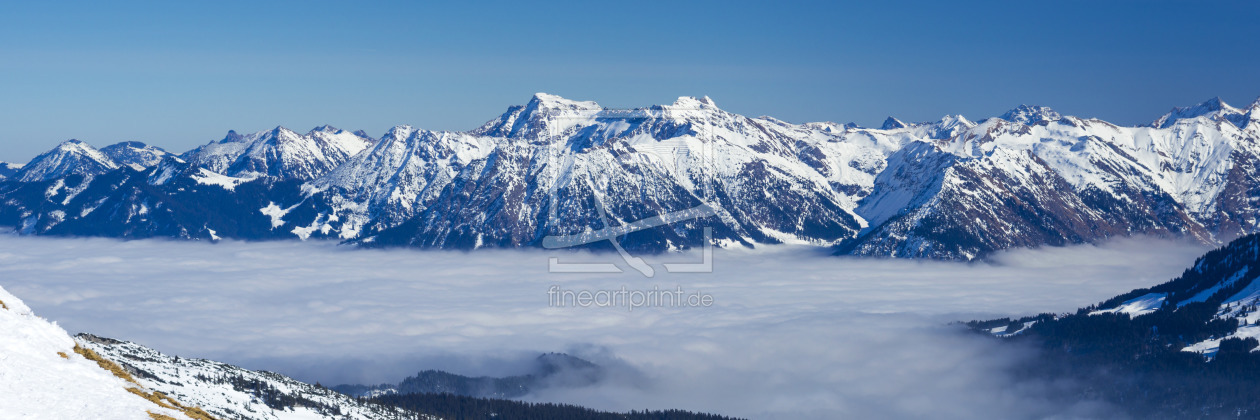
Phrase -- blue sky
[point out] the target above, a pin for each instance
(178, 74)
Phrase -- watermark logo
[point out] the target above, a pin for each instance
(686, 157)
(630, 299)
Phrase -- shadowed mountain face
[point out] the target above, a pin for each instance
(949, 189)
(1181, 349)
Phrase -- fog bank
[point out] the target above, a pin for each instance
(790, 333)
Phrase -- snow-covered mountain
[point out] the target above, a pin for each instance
(1213, 109)
(1068, 180)
(576, 172)
(1031, 115)
(544, 168)
(135, 154)
(71, 157)
(279, 153)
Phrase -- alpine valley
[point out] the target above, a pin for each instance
(949, 189)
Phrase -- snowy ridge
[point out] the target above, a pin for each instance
(230, 392)
(494, 186)
(42, 376)
(135, 154)
(71, 157)
(279, 153)
(1188, 179)
(45, 373)
(952, 188)
(1213, 110)
(1031, 115)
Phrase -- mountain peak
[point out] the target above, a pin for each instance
(280, 134)
(892, 123)
(232, 137)
(135, 154)
(399, 132)
(1214, 108)
(542, 100)
(694, 102)
(954, 120)
(76, 146)
(133, 144)
(70, 157)
(325, 129)
(1031, 114)
(542, 111)
(281, 129)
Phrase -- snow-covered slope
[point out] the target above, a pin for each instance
(45, 375)
(230, 392)
(135, 154)
(279, 153)
(68, 158)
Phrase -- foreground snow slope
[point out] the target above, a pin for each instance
(42, 377)
(46, 374)
(230, 392)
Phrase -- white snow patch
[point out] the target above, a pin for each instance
(1137, 306)
(275, 213)
(207, 177)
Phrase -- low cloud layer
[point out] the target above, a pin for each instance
(790, 334)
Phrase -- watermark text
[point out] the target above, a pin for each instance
(630, 299)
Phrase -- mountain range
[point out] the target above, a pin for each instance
(554, 167)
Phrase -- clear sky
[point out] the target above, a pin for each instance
(181, 73)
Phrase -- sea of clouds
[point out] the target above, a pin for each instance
(790, 333)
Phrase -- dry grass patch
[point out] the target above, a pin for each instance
(2, 305)
(156, 416)
(162, 400)
(155, 397)
(105, 363)
(63, 355)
